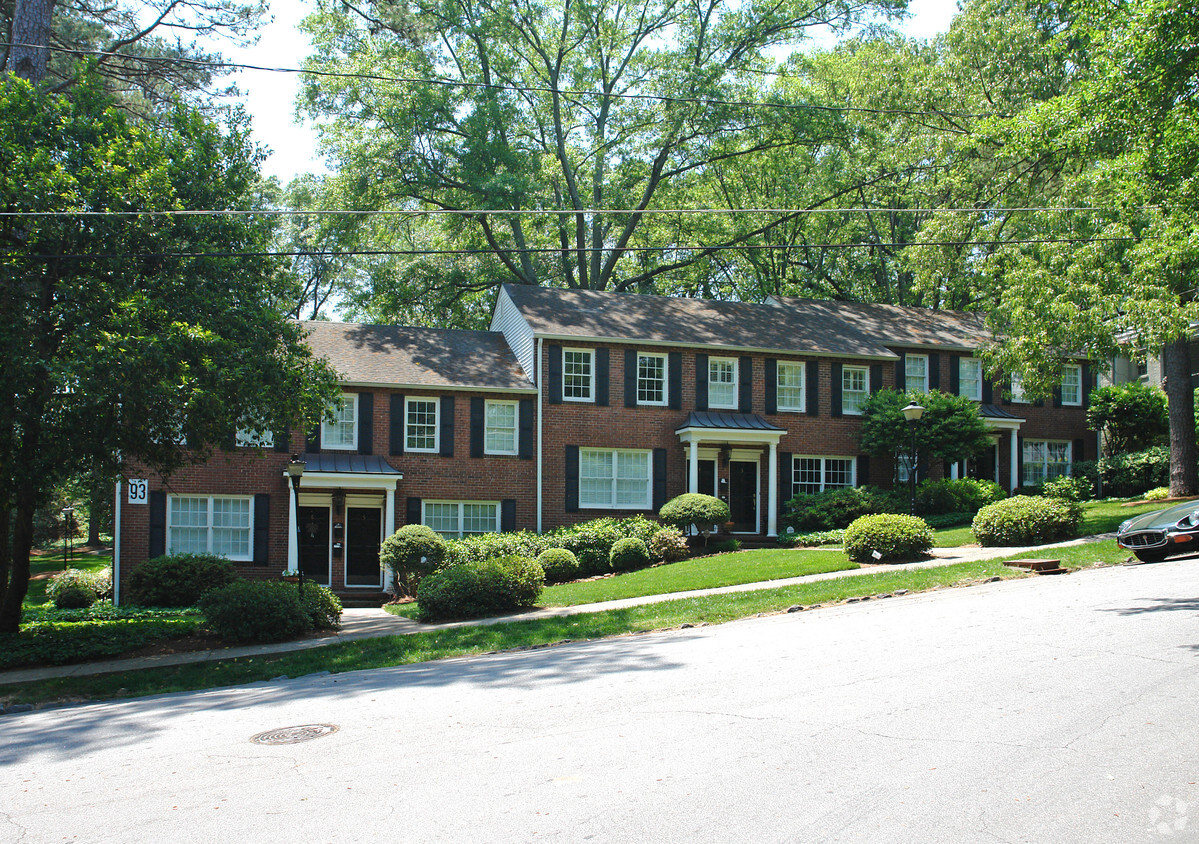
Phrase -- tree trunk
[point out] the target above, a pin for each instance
(30, 35)
(18, 583)
(1176, 368)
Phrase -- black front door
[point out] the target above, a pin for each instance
(314, 543)
(743, 496)
(364, 528)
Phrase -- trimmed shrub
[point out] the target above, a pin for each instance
(591, 542)
(75, 589)
(74, 598)
(948, 520)
(1160, 493)
(964, 495)
(255, 611)
(478, 589)
(628, 554)
(813, 539)
(668, 545)
(488, 546)
(1132, 474)
(725, 546)
(1069, 489)
(893, 535)
(693, 508)
(322, 606)
(178, 580)
(1024, 520)
(836, 508)
(412, 552)
(559, 565)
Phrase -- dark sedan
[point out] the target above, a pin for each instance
(1162, 533)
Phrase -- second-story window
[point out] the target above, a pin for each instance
(915, 372)
(1072, 384)
(420, 424)
(651, 379)
(970, 378)
(855, 387)
(791, 387)
(577, 374)
(1017, 388)
(722, 382)
(500, 427)
(342, 432)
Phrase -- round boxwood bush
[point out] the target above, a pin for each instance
(894, 536)
(178, 580)
(75, 589)
(322, 606)
(559, 565)
(255, 611)
(74, 598)
(628, 554)
(1025, 520)
(693, 508)
(412, 552)
(668, 545)
(480, 588)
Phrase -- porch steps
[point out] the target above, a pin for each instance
(360, 600)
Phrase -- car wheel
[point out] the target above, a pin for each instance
(1150, 556)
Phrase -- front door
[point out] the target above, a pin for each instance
(707, 477)
(364, 530)
(314, 543)
(743, 496)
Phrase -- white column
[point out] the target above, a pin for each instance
(693, 467)
(389, 527)
(772, 493)
(1015, 460)
(293, 549)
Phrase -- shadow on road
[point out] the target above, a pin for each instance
(1159, 605)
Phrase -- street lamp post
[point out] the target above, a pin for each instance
(295, 471)
(912, 413)
(67, 513)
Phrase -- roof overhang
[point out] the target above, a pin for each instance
(348, 471)
(730, 428)
(639, 341)
(373, 385)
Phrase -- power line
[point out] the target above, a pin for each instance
(486, 86)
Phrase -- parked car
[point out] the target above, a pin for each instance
(1162, 533)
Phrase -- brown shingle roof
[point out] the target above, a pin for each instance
(630, 317)
(389, 355)
(898, 325)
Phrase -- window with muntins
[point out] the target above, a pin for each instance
(613, 479)
(210, 525)
(651, 379)
(420, 424)
(790, 382)
(817, 474)
(1016, 388)
(455, 519)
(915, 372)
(251, 438)
(970, 378)
(855, 388)
(1072, 384)
(1045, 460)
(578, 371)
(342, 432)
(722, 382)
(499, 434)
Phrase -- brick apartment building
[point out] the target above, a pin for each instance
(579, 404)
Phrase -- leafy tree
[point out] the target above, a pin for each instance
(1131, 417)
(120, 332)
(950, 428)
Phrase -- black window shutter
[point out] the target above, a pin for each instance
(601, 377)
(835, 390)
(283, 441)
(447, 426)
(1007, 391)
(630, 378)
(313, 442)
(955, 376)
(745, 375)
(812, 387)
(786, 479)
(988, 392)
(934, 372)
(395, 425)
(901, 373)
(366, 423)
(876, 377)
(1057, 396)
(412, 517)
(674, 379)
(572, 479)
(1019, 479)
(476, 426)
(701, 382)
(1079, 451)
(659, 478)
(508, 515)
(158, 524)
(772, 385)
(555, 374)
(863, 469)
(1086, 386)
(526, 429)
(262, 527)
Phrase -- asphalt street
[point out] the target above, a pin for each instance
(1051, 709)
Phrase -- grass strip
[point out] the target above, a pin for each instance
(466, 641)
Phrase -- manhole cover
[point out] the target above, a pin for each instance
(294, 735)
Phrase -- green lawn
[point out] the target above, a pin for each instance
(52, 563)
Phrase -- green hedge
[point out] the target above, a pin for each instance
(591, 542)
(60, 637)
(836, 508)
(412, 552)
(76, 588)
(669, 545)
(628, 554)
(1024, 520)
(894, 536)
(480, 589)
(322, 606)
(256, 611)
(178, 580)
(558, 564)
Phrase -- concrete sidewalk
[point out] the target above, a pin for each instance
(371, 623)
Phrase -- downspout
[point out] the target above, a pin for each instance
(537, 375)
(116, 547)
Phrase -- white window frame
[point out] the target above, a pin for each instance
(907, 374)
(461, 505)
(487, 429)
(171, 499)
(1077, 369)
(408, 402)
(978, 364)
(800, 368)
(732, 403)
(252, 438)
(847, 408)
(1016, 388)
(613, 503)
(824, 459)
(1044, 474)
(350, 402)
(590, 356)
(665, 386)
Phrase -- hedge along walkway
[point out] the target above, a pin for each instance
(372, 623)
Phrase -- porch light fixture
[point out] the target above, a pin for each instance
(295, 471)
(912, 413)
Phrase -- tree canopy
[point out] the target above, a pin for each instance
(950, 428)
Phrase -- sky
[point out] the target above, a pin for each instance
(270, 97)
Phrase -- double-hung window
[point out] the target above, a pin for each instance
(342, 432)
(1045, 460)
(198, 524)
(915, 372)
(651, 379)
(855, 388)
(499, 427)
(614, 479)
(420, 424)
(454, 519)
(578, 372)
(1072, 384)
(817, 474)
(1016, 388)
(722, 383)
(790, 383)
(253, 438)
(970, 378)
